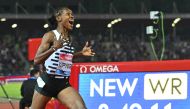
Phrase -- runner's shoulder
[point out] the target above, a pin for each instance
(49, 35)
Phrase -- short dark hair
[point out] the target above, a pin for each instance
(59, 11)
(52, 20)
(33, 71)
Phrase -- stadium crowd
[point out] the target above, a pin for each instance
(13, 51)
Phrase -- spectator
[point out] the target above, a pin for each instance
(27, 89)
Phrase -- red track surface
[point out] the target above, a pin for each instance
(6, 105)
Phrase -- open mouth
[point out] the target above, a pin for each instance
(71, 22)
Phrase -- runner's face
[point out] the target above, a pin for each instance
(67, 19)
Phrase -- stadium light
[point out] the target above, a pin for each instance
(116, 20)
(14, 25)
(78, 25)
(173, 24)
(109, 25)
(3, 19)
(119, 19)
(113, 22)
(175, 21)
(149, 30)
(46, 25)
(154, 15)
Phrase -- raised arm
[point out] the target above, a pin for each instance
(44, 50)
(86, 51)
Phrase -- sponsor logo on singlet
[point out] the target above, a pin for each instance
(65, 62)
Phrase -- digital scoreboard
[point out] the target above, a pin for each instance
(135, 90)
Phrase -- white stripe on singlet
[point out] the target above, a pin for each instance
(52, 61)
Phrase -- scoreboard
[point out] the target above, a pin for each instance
(137, 90)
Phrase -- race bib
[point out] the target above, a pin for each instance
(65, 62)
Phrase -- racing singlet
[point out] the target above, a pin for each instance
(60, 62)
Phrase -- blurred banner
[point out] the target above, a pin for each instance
(33, 45)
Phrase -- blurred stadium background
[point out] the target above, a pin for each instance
(123, 41)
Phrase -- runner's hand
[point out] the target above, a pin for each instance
(87, 50)
(60, 42)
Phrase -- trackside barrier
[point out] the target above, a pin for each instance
(136, 85)
(5, 79)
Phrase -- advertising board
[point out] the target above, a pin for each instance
(135, 90)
